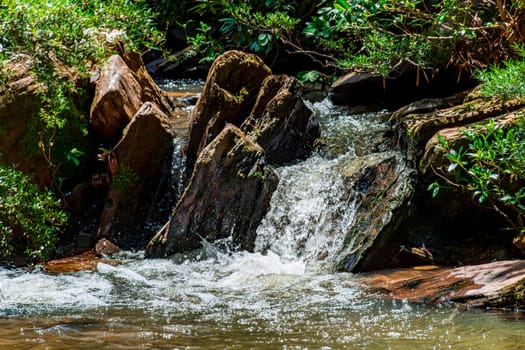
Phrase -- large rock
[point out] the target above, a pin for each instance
(455, 228)
(406, 83)
(415, 130)
(122, 88)
(280, 121)
(136, 164)
(244, 119)
(231, 88)
(498, 284)
(382, 187)
(434, 157)
(227, 195)
(19, 105)
(25, 142)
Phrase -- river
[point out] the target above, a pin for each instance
(279, 297)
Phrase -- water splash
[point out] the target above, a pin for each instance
(312, 208)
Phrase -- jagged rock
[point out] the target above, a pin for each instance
(498, 284)
(135, 164)
(122, 88)
(280, 121)
(415, 130)
(382, 187)
(227, 195)
(244, 118)
(452, 226)
(231, 88)
(434, 157)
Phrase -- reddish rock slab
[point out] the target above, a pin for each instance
(86, 261)
(496, 284)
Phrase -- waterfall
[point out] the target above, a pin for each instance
(314, 207)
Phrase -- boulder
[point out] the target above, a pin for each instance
(229, 94)
(227, 195)
(382, 187)
(280, 121)
(122, 88)
(415, 130)
(498, 284)
(19, 105)
(406, 83)
(434, 157)
(135, 164)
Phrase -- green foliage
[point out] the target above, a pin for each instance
(377, 34)
(66, 38)
(491, 168)
(507, 81)
(125, 179)
(29, 220)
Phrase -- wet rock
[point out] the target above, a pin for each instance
(382, 187)
(497, 284)
(105, 247)
(415, 130)
(122, 88)
(280, 121)
(231, 88)
(86, 261)
(135, 164)
(227, 195)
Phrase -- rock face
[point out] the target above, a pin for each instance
(244, 119)
(498, 284)
(228, 194)
(383, 187)
(454, 229)
(19, 102)
(122, 88)
(280, 121)
(135, 164)
(231, 88)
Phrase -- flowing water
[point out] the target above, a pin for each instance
(275, 298)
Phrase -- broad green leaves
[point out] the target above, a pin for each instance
(491, 168)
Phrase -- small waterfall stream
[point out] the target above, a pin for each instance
(280, 297)
(311, 209)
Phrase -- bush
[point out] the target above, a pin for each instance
(491, 168)
(29, 220)
(74, 35)
(354, 34)
(507, 81)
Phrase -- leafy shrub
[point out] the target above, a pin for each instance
(29, 220)
(491, 168)
(507, 81)
(78, 34)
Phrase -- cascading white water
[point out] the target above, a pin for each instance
(311, 210)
